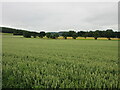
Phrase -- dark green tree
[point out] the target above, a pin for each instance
(118, 35)
(81, 33)
(42, 34)
(70, 33)
(27, 34)
(65, 34)
(90, 34)
(96, 34)
(109, 33)
(54, 36)
(48, 35)
(34, 34)
(85, 35)
(74, 35)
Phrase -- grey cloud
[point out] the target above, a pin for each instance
(60, 16)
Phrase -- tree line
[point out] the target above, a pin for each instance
(109, 33)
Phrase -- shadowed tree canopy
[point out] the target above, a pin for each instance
(81, 33)
(48, 35)
(42, 34)
(109, 33)
(27, 34)
(70, 33)
(96, 34)
(54, 35)
(74, 35)
(34, 34)
(65, 35)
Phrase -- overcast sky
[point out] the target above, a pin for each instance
(60, 16)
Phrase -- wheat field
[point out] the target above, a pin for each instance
(48, 63)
